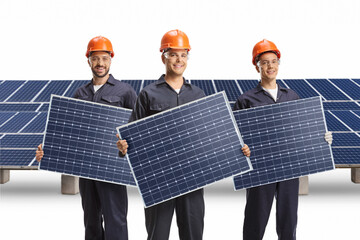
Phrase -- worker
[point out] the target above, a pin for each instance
(169, 91)
(266, 58)
(103, 202)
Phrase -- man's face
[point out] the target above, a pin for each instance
(175, 61)
(268, 66)
(99, 63)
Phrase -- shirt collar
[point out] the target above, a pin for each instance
(162, 80)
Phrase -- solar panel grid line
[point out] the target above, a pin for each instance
(342, 121)
(40, 106)
(353, 81)
(86, 131)
(40, 91)
(169, 167)
(9, 119)
(29, 122)
(283, 82)
(67, 89)
(15, 91)
(342, 91)
(273, 160)
(315, 89)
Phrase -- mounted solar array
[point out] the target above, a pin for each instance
(286, 141)
(80, 140)
(184, 149)
(337, 95)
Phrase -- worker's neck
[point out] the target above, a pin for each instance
(100, 80)
(268, 83)
(175, 81)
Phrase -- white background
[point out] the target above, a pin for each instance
(48, 39)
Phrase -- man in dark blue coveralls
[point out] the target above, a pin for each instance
(101, 201)
(169, 91)
(266, 58)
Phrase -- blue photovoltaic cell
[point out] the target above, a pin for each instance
(206, 85)
(81, 140)
(348, 156)
(4, 116)
(246, 85)
(8, 87)
(27, 92)
(22, 141)
(346, 139)
(303, 89)
(286, 141)
(333, 124)
(348, 87)
(16, 157)
(37, 125)
(147, 82)
(350, 119)
(357, 113)
(44, 107)
(281, 84)
(135, 84)
(340, 106)
(75, 85)
(18, 107)
(230, 87)
(357, 81)
(184, 149)
(327, 90)
(17, 122)
(57, 87)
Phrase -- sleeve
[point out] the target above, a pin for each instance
(131, 99)
(240, 104)
(140, 107)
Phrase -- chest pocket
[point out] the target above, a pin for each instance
(156, 108)
(113, 100)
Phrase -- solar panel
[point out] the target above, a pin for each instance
(8, 87)
(350, 88)
(350, 119)
(356, 80)
(18, 121)
(185, 148)
(206, 85)
(346, 139)
(57, 87)
(27, 92)
(333, 123)
(18, 107)
(22, 141)
(341, 106)
(5, 116)
(327, 89)
(81, 140)
(44, 107)
(230, 87)
(11, 157)
(135, 84)
(346, 156)
(286, 141)
(74, 86)
(301, 87)
(247, 85)
(37, 125)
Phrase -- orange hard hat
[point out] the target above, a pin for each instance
(262, 47)
(98, 44)
(175, 39)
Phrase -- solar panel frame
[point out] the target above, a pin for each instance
(174, 152)
(80, 140)
(286, 141)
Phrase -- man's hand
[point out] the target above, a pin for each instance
(39, 153)
(121, 145)
(246, 150)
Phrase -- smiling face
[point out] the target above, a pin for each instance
(268, 66)
(175, 61)
(99, 63)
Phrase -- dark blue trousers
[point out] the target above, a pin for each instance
(190, 211)
(258, 206)
(104, 202)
